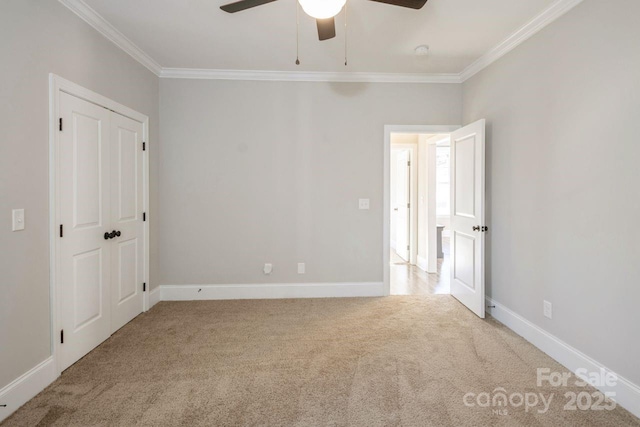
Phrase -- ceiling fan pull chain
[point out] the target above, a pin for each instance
(297, 33)
(345, 32)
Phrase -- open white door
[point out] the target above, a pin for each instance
(403, 197)
(467, 216)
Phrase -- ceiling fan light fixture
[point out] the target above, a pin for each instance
(322, 9)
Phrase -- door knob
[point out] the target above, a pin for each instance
(111, 235)
(476, 228)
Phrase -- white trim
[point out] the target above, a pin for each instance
(57, 85)
(627, 393)
(93, 18)
(154, 297)
(270, 291)
(546, 17)
(24, 388)
(540, 21)
(422, 263)
(386, 170)
(306, 76)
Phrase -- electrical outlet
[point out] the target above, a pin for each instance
(268, 268)
(363, 204)
(301, 268)
(547, 309)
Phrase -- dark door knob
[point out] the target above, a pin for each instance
(111, 235)
(476, 228)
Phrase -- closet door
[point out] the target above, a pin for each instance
(84, 261)
(127, 247)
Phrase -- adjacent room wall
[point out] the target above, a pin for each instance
(41, 37)
(563, 177)
(255, 172)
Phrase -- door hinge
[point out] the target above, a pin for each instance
(144, 216)
(408, 247)
(61, 230)
(144, 287)
(144, 146)
(60, 124)
(61, 336)
(409, 163)
(408, 205)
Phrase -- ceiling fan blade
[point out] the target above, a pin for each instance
(326, 28)
(413, 4)
(243, 4)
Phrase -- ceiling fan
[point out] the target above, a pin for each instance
(324, 11)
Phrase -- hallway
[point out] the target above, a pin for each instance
(407, 279)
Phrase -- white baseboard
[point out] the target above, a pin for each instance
(421, 263)
(627, 393)
(24, 388)
(154, 297)
(270, 291)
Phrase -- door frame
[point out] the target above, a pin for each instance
(386, 224)
(59, 85)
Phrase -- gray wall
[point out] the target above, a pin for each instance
(255, 172)
(563, 179)
(39, 37)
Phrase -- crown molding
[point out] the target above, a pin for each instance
(91, 17)
(306, 76)
(546, 17)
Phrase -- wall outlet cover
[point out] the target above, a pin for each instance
(268, 268)
(301, 268)
(363, 204)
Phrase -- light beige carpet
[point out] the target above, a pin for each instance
(396, 361)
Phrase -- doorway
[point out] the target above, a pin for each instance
(449, 235)
(98, 218)
(414, 169)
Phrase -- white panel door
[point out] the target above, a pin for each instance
(467, 216)
(84, 213)
(127, 246)
(403, 197)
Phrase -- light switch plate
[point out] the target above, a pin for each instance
(363, 204)
(18, 220)
(547, 309)
(302, 269)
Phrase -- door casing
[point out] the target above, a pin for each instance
(57, 85)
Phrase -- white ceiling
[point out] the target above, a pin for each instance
(381, 38)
